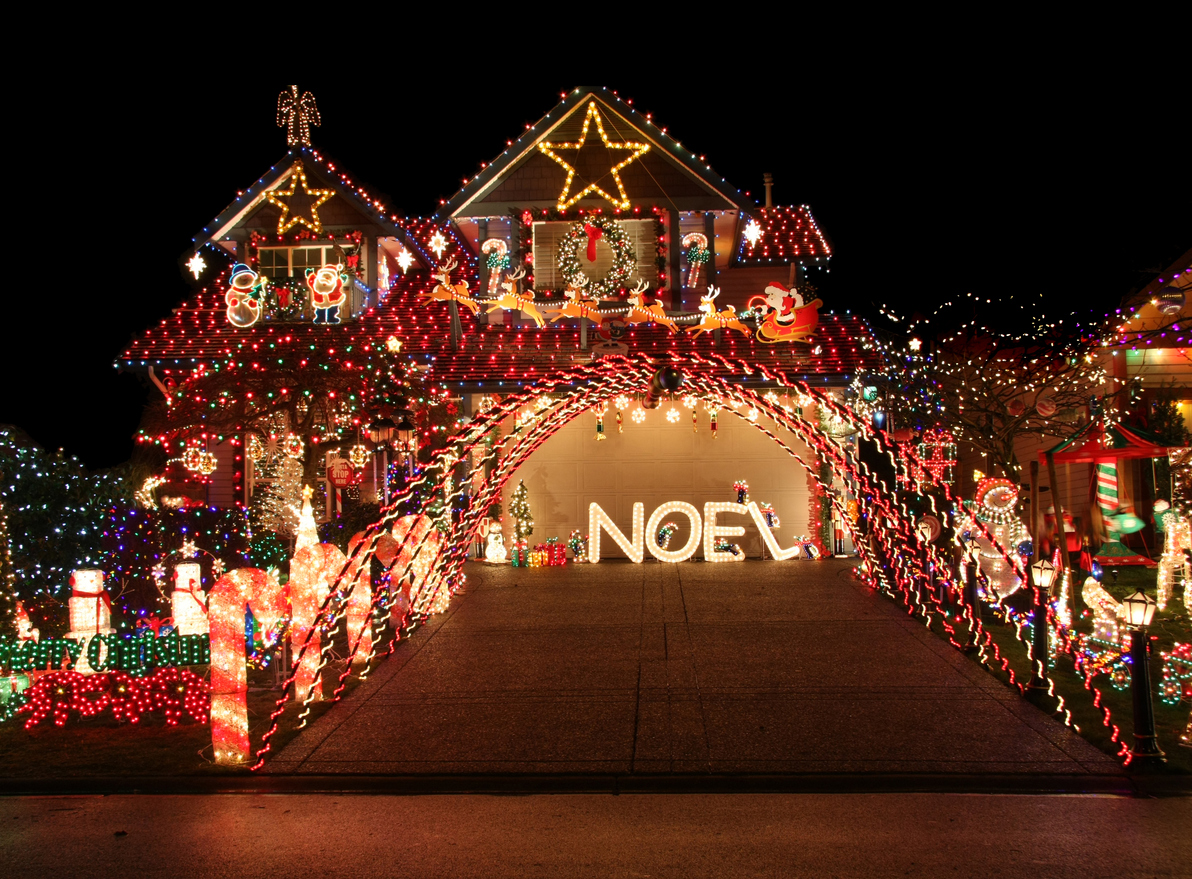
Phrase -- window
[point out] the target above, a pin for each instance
(276, 262)
(642, 234)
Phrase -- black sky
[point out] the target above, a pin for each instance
(932, 177)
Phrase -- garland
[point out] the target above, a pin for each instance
(624, 259)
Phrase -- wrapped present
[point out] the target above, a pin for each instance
(520, 557)
(188, 602)
(156, 625)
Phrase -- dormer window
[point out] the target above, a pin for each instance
(292, 262)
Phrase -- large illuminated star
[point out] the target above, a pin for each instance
(636, 149)
(317, 196)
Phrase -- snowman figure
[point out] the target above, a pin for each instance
(494, 550)
(244, 296)
(783, 301)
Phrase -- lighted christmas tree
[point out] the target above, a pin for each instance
(519, 509)
(8, 582)
(276, 508)
(308, 532)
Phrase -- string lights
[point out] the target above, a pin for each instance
(635, 150)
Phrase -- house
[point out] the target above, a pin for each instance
(595, 232)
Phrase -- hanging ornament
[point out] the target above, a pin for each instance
(639, 415)
(358, 456)
(254, 448)
(694, 420)
(672, 415)
(600, 423)
(620, 422)
(207, 463)
(1170, 300)
(192, 458)
(293, 446)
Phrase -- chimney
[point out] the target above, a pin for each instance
(768, 179)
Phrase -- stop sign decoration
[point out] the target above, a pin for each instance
(341, 474)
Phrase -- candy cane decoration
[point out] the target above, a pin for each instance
(359, 611)
(312, 572)
(416, 534)
(235, 592)
(498, 260)
(696, 244)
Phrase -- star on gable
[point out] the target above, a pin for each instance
(302, 204)
(634, 149)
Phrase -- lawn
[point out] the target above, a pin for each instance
(1170, 626)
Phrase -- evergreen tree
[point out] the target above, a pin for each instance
(276, 507)
(519, 509)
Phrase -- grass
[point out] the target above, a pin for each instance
(1171, 626)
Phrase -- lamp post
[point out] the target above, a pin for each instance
(1139, 609)
(1043, 575)
(405, 435)
(923, 529)
(971, 598)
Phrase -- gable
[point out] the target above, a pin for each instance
(556, 160)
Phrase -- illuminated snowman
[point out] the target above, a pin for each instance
(90, 614)
(188, 603)
(494, 550)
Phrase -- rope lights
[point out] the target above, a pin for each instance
(424, 564)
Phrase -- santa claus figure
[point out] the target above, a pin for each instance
(327, 292)
(783, 301)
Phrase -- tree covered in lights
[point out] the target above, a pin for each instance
(990, 374)
(55, 514)
(299, 397)
(519, 509)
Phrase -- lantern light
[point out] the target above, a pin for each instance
(1138, 610)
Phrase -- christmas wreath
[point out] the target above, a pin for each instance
(583, 234)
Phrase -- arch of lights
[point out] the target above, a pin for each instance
(894, 556)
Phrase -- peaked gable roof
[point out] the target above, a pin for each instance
(530, 175)
(350, 204)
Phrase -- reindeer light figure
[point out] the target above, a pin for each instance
(579, 305)
(714, 320)
(511, 299)
(447, 292)
(640, 313)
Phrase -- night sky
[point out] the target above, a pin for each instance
(931, 179)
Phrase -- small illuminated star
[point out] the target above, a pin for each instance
(196, 264)
(672, 415)
(393, 343)
(639, 415)
(405, 259)
(159, 571)
(753, 233)
(317, 196)
(438, 244)
(637, 149)
(188, 549)
(914, 344)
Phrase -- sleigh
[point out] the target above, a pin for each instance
(769, 330)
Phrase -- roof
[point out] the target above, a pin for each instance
(491, 356)
(1097, 441)
(327, 173)
(198, 330)
(541, 178)
(786, 235)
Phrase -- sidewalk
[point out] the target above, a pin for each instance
(654, 674)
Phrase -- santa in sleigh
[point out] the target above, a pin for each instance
(787, 317)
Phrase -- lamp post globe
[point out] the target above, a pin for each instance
(1138, 611)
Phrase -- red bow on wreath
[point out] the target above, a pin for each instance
(594, 233)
